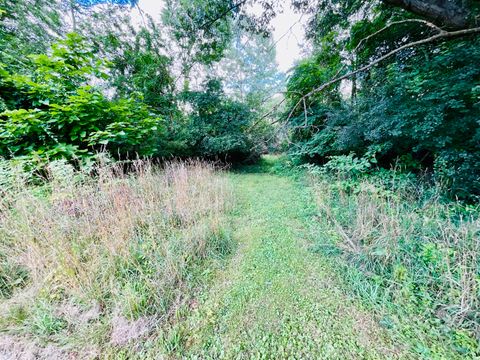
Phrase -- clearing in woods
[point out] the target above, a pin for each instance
(276, 299)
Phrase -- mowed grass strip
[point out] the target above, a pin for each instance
(276, 299)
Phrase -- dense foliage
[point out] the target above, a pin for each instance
(56, 113)
(116, 85)
(417, 110)
(219, 124)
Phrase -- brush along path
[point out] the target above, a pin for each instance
(276, 299)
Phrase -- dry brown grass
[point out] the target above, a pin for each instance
(122, 241)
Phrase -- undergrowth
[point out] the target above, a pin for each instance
(100, 258)
(407, 251)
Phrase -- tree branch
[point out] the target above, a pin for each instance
(222, 15)
(440, 36)
(427, 23)
(264, 116)
(275, 107)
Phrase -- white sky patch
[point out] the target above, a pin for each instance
(151, 7)
(288, 32)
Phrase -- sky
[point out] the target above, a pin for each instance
(288, 32)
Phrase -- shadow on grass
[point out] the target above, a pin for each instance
(267, 164)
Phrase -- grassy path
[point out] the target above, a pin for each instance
(275, 299)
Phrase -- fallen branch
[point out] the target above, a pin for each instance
(424, 22)
(274, 108)
(441, 35)
(264, 116)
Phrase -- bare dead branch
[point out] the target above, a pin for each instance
(427, 23)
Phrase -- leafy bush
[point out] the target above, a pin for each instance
(59, 115)
(219, 125)
(422, 106)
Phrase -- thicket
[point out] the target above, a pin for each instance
(54, 112)
(408, 254)
(115, 86)
(417, 110)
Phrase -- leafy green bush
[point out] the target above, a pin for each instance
(219, 125)
(421, 107)
(60, 115)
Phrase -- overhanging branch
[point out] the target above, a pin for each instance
(441, 35)
(222, 15)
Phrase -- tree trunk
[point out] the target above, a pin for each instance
(72, 12)
(455, 14)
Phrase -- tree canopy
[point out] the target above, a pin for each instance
(395, 81)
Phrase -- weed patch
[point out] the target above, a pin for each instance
(407, 253)
(108, 256)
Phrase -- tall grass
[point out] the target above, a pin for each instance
(407, 250)
(111, 248)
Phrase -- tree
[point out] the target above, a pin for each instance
(457, 14)
(218, 125)
(249, 68)
(26, 27)
(412, 100)
(200, 32)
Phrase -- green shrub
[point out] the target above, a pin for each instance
(419, 110)
(60, 115)
(219, 125)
